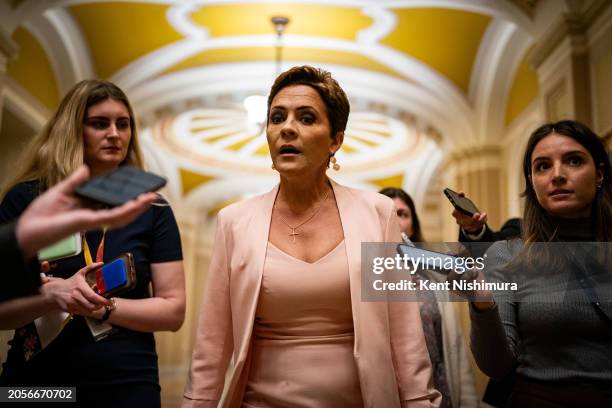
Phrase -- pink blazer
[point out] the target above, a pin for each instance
(390, 351)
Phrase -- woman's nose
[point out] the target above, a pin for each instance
(558, 173)
(289, 128)
(113, 131)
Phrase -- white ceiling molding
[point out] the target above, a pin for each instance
(23, 105)
(500, 53)
(499, 9)
(77, 51)
(451, 120)
(385, 22)
(197, 41)
(424, 170)
(143, 69)
(63, 44)
(8, 49)
(158, 162)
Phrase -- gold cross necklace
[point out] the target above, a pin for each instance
(293, 229)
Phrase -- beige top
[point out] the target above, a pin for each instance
(303, 339)
(389, 347)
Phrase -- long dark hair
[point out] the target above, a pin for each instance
(538, 226)
(394, 192)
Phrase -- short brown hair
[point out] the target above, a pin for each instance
(336, 102)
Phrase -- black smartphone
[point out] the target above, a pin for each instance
(120, 185)
(463, 204)
(426, 259)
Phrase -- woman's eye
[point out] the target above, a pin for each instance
(308, 119)
(540, 166)
(575, 161)
(99, 124)
(276, 118)
(123, 125)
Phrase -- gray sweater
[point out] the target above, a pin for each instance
(550, 334)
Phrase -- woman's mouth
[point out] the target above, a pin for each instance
(560, 193)
(289, 150)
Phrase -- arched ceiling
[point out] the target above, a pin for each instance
(416, 65)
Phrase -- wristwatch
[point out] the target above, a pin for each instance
(108, 309)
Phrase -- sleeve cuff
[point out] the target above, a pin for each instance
(475, 237)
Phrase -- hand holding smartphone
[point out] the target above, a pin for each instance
(113, 278)
(460, 202)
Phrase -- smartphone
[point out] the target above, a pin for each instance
(426, 259)
(119, 186)
(114, 277)
(67, 247)
(463, 204)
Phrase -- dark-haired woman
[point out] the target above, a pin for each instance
(452, 373)
(559, 348)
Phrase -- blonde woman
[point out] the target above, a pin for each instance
(95, 125)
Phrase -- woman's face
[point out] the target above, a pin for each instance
(404, 215)
(299, 131)
(564, 176)
(106, 134)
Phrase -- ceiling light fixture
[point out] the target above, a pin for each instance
(257, 105)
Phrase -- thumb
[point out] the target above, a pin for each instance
(90, 267)
(69, 184)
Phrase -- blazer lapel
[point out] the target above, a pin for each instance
(352, 242)
(245, 288)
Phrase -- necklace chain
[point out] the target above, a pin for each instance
(293, 229)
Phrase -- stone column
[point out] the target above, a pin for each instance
(561, 58)
(475, 170)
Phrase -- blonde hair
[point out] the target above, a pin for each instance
(58, 150)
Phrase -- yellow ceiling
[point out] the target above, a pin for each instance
(191, 180)
(396, 180)
(225, 55)
(120, 33)
(32, 69)
(446, 40)
(253, 19)
(523, 91)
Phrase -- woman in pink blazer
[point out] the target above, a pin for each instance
(284, 290)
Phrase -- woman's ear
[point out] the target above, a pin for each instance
(599, 174)
(337, 141)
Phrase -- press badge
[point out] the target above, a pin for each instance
(98, 329)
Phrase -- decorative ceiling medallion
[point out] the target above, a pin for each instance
(225, 139)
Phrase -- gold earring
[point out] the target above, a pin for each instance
(334, 163)
(273, 168)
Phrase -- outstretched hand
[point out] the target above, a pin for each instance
(57, 213)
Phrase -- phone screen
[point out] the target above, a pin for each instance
(67, 247)
(435, 261)
(120, 185)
